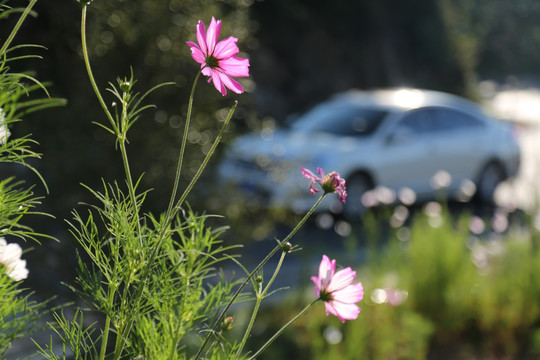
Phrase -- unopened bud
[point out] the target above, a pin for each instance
(286, 247)
(259, 279)
(227, 323)
(125, 86)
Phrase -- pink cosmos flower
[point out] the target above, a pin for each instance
(218, 60)
(337, 291)
(329, 183)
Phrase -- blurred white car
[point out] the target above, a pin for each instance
(396, 139)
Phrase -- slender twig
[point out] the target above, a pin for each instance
(183, 146)
(207, 158)
(260, 296)
(17, 27)
(168, 219)
(278, 333)
(261, 264)
(121, 134)
(89, 69)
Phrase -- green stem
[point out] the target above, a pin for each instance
(260, 297)
(89, 69)
(183, 146)
(174, 210)
(17, 27)
(278, 333)
(107, 328)
(264, 261)
(106, 331)
(170, 216)
(207, 158)
(131, 188)
(119, 132)
(118, 346)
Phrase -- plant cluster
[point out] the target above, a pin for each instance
(153, 280)
(151, 284)
(19, 312)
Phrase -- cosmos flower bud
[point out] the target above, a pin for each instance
(330, 183)
(227, 323)
(125, 86)
(286, 247)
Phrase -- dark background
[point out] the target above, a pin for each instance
(300, 53)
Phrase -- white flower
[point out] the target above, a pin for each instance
(4, 131)
(10, 258)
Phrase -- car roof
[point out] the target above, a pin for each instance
(402, 99)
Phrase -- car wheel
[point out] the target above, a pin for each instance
(356, 185)
(490, 178)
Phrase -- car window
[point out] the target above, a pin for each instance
(341, 119)
(418, 121)
(450, 119)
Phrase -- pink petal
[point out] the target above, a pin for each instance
(341, 279)
(207, 71)
(310, 175)
(350, 294)
(218, 83)
(236, 67)
(197, 54)
(212, 35)
(326, 270)
(317, 281)
(307, 173)
(330, 309)
(343, 311)
(226, 48)
(230, 83)
(201, 38)
(313, 189)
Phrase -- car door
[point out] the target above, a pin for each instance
(459, 143)
(408, 156)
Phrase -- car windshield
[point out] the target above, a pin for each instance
(341, 119)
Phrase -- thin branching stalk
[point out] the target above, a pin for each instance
(89, 69)
(278, 333)
(175, 209)
(183, 145)
(17, 27)
(106, 330)
(207, 158)
(131, 188)
(105, 338)
(121, 133)
(260, 296)
(248, 278)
